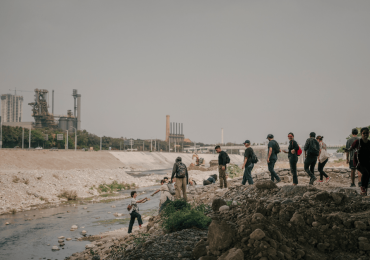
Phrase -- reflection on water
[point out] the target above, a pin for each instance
(33, 239)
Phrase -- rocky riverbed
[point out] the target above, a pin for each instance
(262, 221)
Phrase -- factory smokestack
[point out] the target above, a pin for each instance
(52, 100)
(167, 128)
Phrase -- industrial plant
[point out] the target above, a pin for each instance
(43, 118)
(174, 131)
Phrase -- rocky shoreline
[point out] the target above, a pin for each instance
(262, 221)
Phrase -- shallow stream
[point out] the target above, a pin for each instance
(33, 239)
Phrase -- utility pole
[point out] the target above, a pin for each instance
(169, 145)
(100, 143)
(29, 139)
(22, 137)
(67, 141)
(143, 146)
(75, 139)
(155, 145)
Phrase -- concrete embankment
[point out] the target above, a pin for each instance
(32, 178)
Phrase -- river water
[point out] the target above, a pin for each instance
(33, 239)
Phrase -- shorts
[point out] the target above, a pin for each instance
(351, 166)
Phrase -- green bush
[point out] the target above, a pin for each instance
(179, 215)
(234, 171)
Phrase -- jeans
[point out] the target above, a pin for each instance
(248, 174)
(321, 169)
(365, 171)
(180, 185)
(293, 168)
(222, 175)
(309, 165)
(271, 166)
(134, 215)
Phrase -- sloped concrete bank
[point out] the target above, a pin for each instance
(263, 221)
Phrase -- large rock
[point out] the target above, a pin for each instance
(298, 219)
(232, 254)
(200, 249)
(266, 185)
(337, 197)
(220, 235)
(258, 234)
(217, 203)
(208, 258)
(224, 208)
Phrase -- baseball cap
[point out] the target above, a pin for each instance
(247, 142)
(270, 136)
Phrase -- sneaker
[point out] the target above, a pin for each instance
(359, 184)
(320, 181)
(353, 185)
(328, 179)
(313, 179)
(363, 191)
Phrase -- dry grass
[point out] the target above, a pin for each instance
(56, 176)
(69, 195)
(16, 179)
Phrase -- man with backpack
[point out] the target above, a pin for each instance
(311, 151)
(180, 172)
(250, 159)
(223, 159)
(273, 149)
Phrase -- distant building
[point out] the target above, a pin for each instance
(11, 108)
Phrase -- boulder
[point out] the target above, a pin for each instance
(298, 219)
(232, 254)
(337, 197)
(74, 227)
(364, 246)
(224, 208)
(208, 258)
(258, 234)
(55, 248)
(217, 203)
(220, 235)
(266, 185)
(200, 249)
(360, 225)
(88, 246)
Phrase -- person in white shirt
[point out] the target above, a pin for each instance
(165, 195)
(134, 212)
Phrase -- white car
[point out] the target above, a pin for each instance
(38, 148)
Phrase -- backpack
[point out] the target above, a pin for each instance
(276, 147)
(314, 149)
(181, 170)
(171, 189)
(299, 152)
(254, 158)
(227, 158)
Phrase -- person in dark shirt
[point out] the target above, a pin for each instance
(350, 158)
(248, 165)
(311, 151)
(222, 161)
(272, 158)
(293, 157)
(361, 161)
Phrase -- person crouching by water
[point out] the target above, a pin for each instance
(134, 212)
(293, 157)
(361, 161)
(165, 195)
(180, 172)
(211, 180)
(248, 165)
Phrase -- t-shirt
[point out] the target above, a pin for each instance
(248, 154)
(364, 153)
(134, 206)
(273, 156)
(293, 145)
(349, 144)
(165, 194)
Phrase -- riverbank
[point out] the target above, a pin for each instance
(323, 221)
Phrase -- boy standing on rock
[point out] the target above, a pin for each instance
(180, 172)
(134, 211)
(311, 152)
(223, 159)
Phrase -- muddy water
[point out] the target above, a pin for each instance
(33, 239)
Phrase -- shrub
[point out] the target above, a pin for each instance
(234, 171)
(179, 215)
(69, 195)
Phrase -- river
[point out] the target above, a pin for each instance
(33, 239)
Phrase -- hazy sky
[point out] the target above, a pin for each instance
(251, 67)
